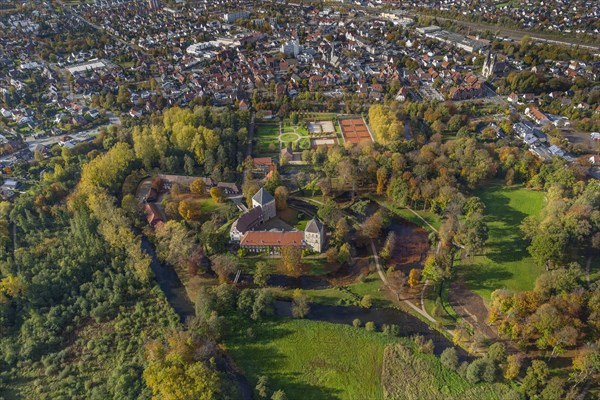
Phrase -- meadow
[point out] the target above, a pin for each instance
(320, 360)
(408, 375)
(506, 263)
(265, 135)
(309, 359)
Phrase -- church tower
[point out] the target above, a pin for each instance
(489, 66)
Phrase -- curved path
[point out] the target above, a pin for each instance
(384, 278)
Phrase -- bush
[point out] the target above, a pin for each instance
(423, 346)
(366, 301)
(462, 369)
(449, 358)
(370, 326)
(390, 330)
(356, 323)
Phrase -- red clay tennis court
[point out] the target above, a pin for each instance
(354, 130)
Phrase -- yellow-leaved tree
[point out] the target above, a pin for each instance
(175, 371)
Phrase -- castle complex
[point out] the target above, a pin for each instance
(247, 229)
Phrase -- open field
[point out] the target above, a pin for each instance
(409, 376)
(506, 263)
(307, 359)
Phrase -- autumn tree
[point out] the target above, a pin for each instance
(262, 387)
(108, 170)
(11, 287)
(366, 301)
(175, 370)
(291, 257)
(224, 266)
(300, 306)
(381, 180)
(175, 244)
(217, 194)
(371, 227)
(198, 186)
(332, 255)
(249, 189)
(342, 228)
(414, 277)
(281, 197)
(344, 256)
(388, 247)
(190, 211)
(513, 366)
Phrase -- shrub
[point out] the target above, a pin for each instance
(449, 358)
(366, 301)
(356, 323)
(390, 330)
(370, 326)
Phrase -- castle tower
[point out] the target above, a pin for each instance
(266, 201)
(314, 235)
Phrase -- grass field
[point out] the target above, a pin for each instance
(265, 135)
(309, 359)
(371, 285)
(507, 263)
(408, 375)
(432, 218)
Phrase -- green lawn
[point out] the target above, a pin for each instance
(267, 130)
(432, 218)
(371, 285)
(309, 359)
(507, 263)
(304, 143)
(266, 135)
(288, 137)
(208, 205)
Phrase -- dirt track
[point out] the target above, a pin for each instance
(470, 307)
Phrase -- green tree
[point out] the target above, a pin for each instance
(449, 358)
(263, 304)
(535, 378)
(262, 273)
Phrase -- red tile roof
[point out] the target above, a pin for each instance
(257, 238)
